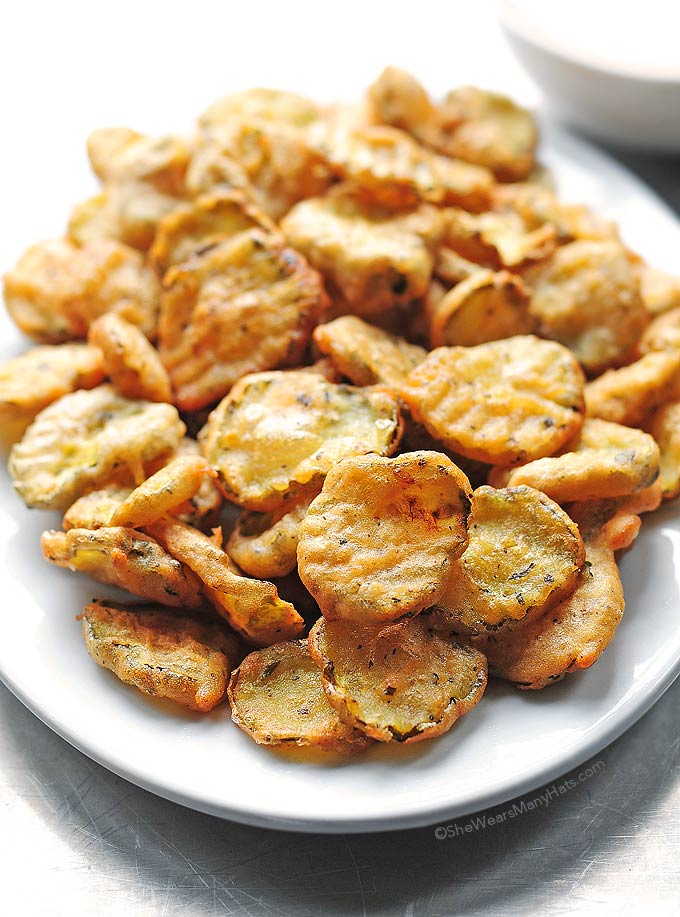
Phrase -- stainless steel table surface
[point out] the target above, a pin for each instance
(76, 840)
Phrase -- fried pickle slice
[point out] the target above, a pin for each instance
(662, 333)
(265, 544)
(81, 440)
(587, 297)
(125, 558)
(57, 289)
(259, 105)
(615, 523)
(629, 394)
(201, 510)
(185, 659)
(367, 355)
(247, 304)
(569, 636)
(398, 99)
(523, 553)
(664, 426)
(487, 306)
(503, 402)
(276, 697)
(94, 510)
(399, 683)
(497, 239)
(131, 361)
(201, 224)
(118, 154)
(40, 376)
(604, 460)
(253, 608)
(538, 206)
(660, 291)
(277, 434)
(170, 487)
(377, 544)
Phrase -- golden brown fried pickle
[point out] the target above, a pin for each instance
(253, 608)
(131, 362)
(276, 697)
(247, 304)
(615, 523)
(57, 289)
(374, 261)
(523, 553)
(367, 355)
(587, 297)
(538, 206)
(629, 394)
(118, 154)
(265, 544)
(277, 434)
(35, 379)
(201, 224)
(397, 98)
(497, 239)
(451, 268)
(377, 544)
(660, 291)
(502, 402)
(185, 659)
(125, 558)
(569, 636)
(487, 306)
(95, 509)
(664, 426)
(260, 105)
(604, 460)
(400, 683)
(83, 439)
(167, 489)
(662, 333)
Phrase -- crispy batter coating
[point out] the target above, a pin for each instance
(201, 224)
(213, 171)
(374, 261)
(265, 544)
(628, 394)
(260, 105)
(615, 523)
(277, 698)
(253, 608)
(185, 659)
(35, 379)
(664, 426)
(247, 304)
(587, 297)
(79, 441)
(377, 544)
(400, 683)
(604, 460)
(660, 291)
(451, 268)
(487, 306)
(662, 333)
(131, 362)
(569, 636)
(367, 355)
(537, 206)
(125, 558)
(503, 402)
(497, 239)
(523, 553)
(170, 487)
(118, 154)
(94, 510)
(277, 434)
(397, 98)
(57, 289)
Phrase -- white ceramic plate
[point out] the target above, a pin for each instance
(511, 743)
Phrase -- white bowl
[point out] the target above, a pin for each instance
(608, 83)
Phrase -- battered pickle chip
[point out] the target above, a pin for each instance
(247, 304)
(277, 698)
(34, 380)
(94, 510)
(201, 224)
(662, 333)
(523, 553)
(57, 289)
(497, 240)
(485, 307)
(604, 460)
(615, 523)
(503, 402)
(378, 543)
(664, 426)
(125, 558)
(185, 659)
(253, 608)
(538, 206)
(587, 297)
(367, 355)
(164, 491)
(265, 544)
(277, 434)
(131, 362)
(628, 394)
(569, 636)
(660, 291)
(212, 171)
(79, 442)
(260, 105)
(118, 154)
(452, 268)
(400, 683)
(201, 509)
(397, 98)
(374, 261)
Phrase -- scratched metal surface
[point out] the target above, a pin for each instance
(76, 840)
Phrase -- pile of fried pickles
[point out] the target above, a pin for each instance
(439, 397)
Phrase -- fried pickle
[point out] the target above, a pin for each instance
(664, 426)
(629, 394)
(131, 362)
